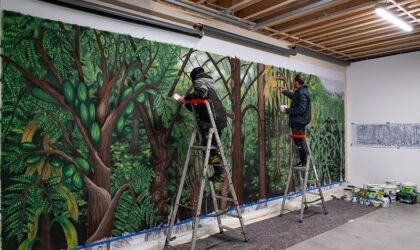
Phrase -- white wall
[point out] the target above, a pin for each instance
(383, 90)
(50, 11)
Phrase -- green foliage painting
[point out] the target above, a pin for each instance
(93, 145)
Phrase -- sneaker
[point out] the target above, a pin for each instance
(215, 159)
(217, 178)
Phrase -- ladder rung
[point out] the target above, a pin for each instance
(308, 202)
(231, 229)
(299, 168)
(181, 205)
(313, 193)
(224, 198)
(202, 147)
(221, 212)
(308, 181)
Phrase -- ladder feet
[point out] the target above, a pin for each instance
(326, 212)
(300, 221)
(173, 238)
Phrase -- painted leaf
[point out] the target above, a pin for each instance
(69, 231)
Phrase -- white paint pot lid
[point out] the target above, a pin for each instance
(389, 186)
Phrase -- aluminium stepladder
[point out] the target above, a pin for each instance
(206, 172)
(310, 165)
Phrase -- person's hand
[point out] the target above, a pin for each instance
(283, 111)
(282, 89)
(181, 100)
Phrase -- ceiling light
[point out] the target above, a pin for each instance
(392, 18)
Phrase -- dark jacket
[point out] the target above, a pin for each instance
(204, 88)
(300, 108)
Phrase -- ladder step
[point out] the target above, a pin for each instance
(221, 212)
(299, 168)
(202, 147)
(308, 181)
(181, 205)
(308, 202)
(313, 193)
(224, 198)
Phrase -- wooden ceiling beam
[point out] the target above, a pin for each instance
(328, 17)
(243, 4)
(315, 29)
(368, 40)
(387, 52)
(379, 50)
(305, 12)
(327, 35)
(384, 43)
(349, 37)
(277, 6)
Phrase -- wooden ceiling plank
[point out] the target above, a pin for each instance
(328, 17)
(387, 52)
(243, 4)
(268, 9)
(347, 19)
(360, 34)
(396, 46)
(305, 12)
(376, 20)
(367, 40)
(399, 41)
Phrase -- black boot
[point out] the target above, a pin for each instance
(218, 175)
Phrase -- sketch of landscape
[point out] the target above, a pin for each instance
(386, 135)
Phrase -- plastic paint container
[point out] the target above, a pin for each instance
(354, 199)
(385, 202)
(376, 203)
(348, 193)
(391, 190)
(408, 187)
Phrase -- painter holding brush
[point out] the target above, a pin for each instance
(299, 113)
(204, 88)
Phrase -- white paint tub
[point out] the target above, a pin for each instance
(390, 190)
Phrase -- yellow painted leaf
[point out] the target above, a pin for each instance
(33, 228)
(47, 172)
(29, 131)
(69, 231)
(31, 170)
(72, 206)
(26, 245)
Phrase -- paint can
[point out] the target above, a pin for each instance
(362, 192)
(354, 199)
(361, 200)
(385, 202)
(366, 202)
(348, 193)
(390, 190)
(396, 183)
(376, 203)
(408, 187)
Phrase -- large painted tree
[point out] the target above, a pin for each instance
(81, 86)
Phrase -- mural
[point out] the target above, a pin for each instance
(93, 145)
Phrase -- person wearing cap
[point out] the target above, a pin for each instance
(204, 88)
(299, 113)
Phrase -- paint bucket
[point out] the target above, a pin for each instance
(283, 108)
(385, 202)
(376, 203)
(362, 192)
(348, 193)
(390, 190)
(373, 190)
(396, 183)
(408, 187)
(366, 202)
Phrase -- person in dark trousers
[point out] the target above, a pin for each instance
(204, 88)
(299, 114)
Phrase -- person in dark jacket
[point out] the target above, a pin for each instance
(204, 88)
(299, 114)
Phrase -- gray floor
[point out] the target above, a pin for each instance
(397, 227)
(286, 231)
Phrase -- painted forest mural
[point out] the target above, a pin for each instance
(93, 145)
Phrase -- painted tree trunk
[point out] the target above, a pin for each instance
(262, 171)
(44, 233)
(237, 146)
(134, 145)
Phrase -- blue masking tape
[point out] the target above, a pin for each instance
(353, 123)
(398, 147)
(387, 123)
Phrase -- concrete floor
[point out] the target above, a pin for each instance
(397, 227)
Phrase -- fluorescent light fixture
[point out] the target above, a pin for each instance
(392, 18)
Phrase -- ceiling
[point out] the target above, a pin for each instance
(347, 30)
